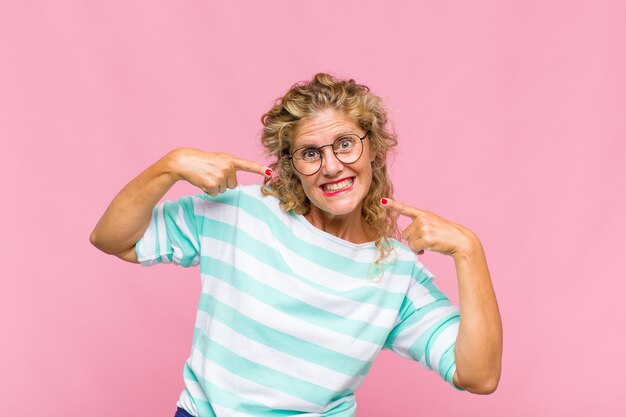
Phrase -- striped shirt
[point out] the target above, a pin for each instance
(289, 320)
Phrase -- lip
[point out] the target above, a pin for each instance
(321, 187)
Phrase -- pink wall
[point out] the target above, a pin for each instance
(511, 122)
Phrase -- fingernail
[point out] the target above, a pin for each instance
(268, 172)
(384, 201)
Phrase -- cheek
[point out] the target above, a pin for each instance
(307, 186)
(368, 172)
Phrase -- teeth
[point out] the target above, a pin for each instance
(338, 186)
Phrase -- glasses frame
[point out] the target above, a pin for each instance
(322, 154)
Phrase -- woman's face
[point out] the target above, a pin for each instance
(353, 180)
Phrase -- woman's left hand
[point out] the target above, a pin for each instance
(429, 231)
(478, 345)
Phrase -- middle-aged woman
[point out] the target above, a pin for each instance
(304, 278)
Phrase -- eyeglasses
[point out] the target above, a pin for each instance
(347, 149)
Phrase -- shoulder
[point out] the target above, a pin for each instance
(251, 190)
(242, 200)
(253, 193)
(233, 197)
(402, 251)
(409, 262)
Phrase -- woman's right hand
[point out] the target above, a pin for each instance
(212, 172)
(128, 215)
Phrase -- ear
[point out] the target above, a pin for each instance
(373, 154)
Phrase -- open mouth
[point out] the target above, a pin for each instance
(335, 187)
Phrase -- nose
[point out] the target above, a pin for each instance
(331, 166)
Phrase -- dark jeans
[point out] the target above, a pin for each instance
(182, 413)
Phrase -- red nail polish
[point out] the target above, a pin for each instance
(384, 201)
(268, 172)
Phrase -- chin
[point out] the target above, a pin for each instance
(338, 208)
(338, 211)
(338, 205)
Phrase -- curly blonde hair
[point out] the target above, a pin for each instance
(304, 100)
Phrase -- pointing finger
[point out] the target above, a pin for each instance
(401, 208)
(251, 166)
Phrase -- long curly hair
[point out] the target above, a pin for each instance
(302, 101)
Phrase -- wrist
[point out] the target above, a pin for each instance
(170, 165)
(469, 247)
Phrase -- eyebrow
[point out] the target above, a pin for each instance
(336, 136)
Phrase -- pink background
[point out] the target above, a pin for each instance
(511, 122)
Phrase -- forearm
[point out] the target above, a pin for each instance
(128, 215)
(478, 350)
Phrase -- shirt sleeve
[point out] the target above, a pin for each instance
(427, 326)
(172, 235)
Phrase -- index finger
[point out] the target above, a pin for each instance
(402, 208)
(251, 166)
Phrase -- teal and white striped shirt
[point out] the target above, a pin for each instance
(289, 322)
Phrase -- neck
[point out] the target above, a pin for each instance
(350, 227)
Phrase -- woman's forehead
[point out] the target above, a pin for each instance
(323, 127)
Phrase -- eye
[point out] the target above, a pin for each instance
(309, 154)
(344, 144)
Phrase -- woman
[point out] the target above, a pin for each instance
(304, 279)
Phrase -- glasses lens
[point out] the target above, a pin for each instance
(307, 161)
(348, 148)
